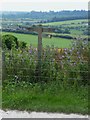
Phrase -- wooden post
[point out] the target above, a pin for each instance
(39, 52)
(39, 44)
(39, 29)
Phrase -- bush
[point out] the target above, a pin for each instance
(22, 44)
(9, 41)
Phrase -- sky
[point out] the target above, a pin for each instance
(43, 5)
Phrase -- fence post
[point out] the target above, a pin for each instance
(39, 44)
(39, 29)
(39, 51)
(38, 67)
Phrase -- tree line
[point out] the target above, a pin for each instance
(48, 16)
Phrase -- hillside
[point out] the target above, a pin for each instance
(48, 16)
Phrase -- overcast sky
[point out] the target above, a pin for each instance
(38, 5)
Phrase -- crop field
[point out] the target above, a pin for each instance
(33, 39)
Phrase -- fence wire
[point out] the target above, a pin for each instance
(56, 64)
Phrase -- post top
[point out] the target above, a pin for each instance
(40, 27)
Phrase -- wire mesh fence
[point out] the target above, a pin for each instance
(67, 65)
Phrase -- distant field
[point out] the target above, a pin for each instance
(67, 22)
(33, 39)
(76, 27)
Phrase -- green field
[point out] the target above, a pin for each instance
(33, 39)
(76, 27)
(68, 22)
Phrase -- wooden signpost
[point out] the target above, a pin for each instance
(39, 29)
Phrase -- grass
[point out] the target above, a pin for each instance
(50, 99)
(68, 22)
(77, 32)
(33, 39)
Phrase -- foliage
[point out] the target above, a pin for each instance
(60, 83)
(22, 44)
(68, 66)
(10, 42)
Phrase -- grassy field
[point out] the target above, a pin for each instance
(72, 25)
(68, 22)
(33, 39)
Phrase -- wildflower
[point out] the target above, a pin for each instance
(70, 50)
(74, 63)
(65, 49)
(63, 56)
(30, 51)
(65, 52)
(77, 52)
(59, 50)
(79, 57)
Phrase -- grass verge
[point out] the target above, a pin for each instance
(46, 98)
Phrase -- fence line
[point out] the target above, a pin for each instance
(24, 67)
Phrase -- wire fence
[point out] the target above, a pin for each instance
(65, 65)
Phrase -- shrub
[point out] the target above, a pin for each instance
(9, 41)
(22, 44)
